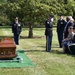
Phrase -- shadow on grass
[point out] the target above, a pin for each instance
(45, 46)
(6, 36)
(70, 54)
(34, 51)
(57, 52)
(53, 51)
(22, 37)
(34, 37)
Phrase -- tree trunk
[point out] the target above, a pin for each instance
(30, 31)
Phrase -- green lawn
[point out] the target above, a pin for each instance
(54, 63)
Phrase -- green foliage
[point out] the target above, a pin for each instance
(69, 7)
(36, 11)
(33, 12)
(1, 1)
(4, 20)
(3, 17)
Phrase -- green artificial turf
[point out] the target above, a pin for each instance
(17, 63)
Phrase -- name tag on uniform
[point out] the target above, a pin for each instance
(47, 22)
(14, 24)
(19, 25)
(61, 22)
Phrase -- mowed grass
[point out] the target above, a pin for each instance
(54, 63)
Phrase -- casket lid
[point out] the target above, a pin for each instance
(7, 43)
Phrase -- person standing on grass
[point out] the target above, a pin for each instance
(48, 32)
(60, 28)
(16, 30)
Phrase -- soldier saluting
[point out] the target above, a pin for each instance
(16, 30)
(48, 32)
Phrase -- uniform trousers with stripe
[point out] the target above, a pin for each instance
(48, 43)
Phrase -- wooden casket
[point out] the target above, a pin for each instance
(7, 48)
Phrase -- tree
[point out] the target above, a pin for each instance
(32, 12)
(3, 17)
(1, 1)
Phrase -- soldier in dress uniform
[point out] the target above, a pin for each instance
(60, 28)
(48, 32)
(16, 30)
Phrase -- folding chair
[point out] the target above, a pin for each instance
(71, 48)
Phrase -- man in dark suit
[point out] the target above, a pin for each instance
(60, 28)
(16, 30)
(48, 32)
